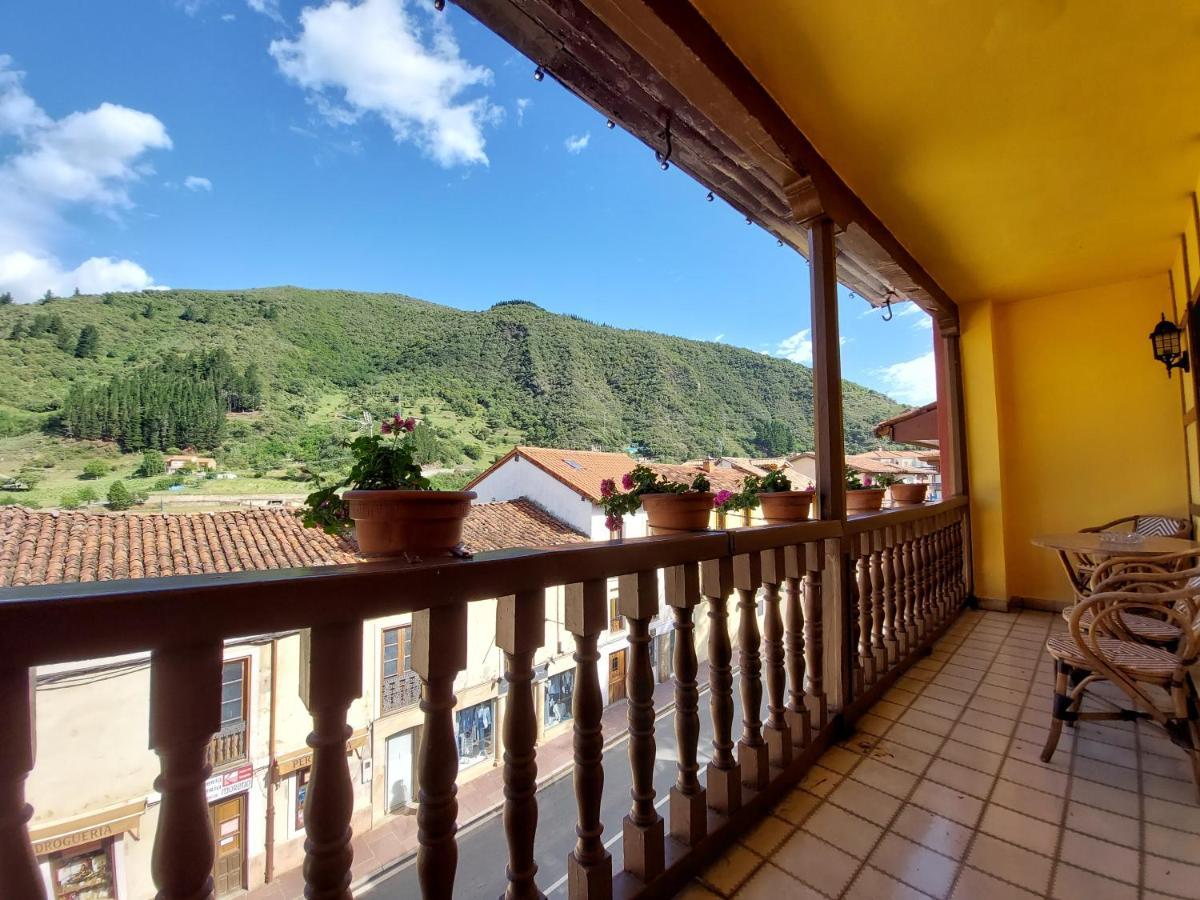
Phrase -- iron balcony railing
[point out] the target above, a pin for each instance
(848, 605)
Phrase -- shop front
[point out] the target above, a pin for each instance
(227, 794)
(82, 858)
(476, 734)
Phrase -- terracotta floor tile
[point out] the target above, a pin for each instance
(924, 741)
(1035, 776)
(731, 871)
(989, 722)
(975, 885)
(767, 835)
(938, 725)
(1017, 828)
(1108, 826)
(1103, 773)
(843, 830)
(1103, 797)
(1026, 800)
(696, 891)
(868, 803)
(838, 759)
(888, 710)
(1099, 856)
(1172, 877)
(915, 865)
(900, 756)
(797, 806)
(935, 832)
(872, 884)
(873, 724)
(885, 778)
(968, 781)
(1012, 863)
(1173, 815)
(979, 737)
(937, 707)
(820, 781)
(951, 804)
(771, 883)
(973, 757)
(817, 863)
(1071, 883)
(1171, 843)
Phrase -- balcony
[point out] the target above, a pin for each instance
(399, 691)
(849, 606)
(228, 746)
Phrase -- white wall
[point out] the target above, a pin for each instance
(519, 478)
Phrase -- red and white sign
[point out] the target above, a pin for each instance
(226, 784)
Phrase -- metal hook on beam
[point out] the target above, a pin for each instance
(887, 304)
(664, 159)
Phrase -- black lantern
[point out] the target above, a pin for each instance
(1168, 346)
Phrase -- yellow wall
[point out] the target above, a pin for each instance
(1071, 423)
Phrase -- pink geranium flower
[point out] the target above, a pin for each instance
(721, 498)
(409, 424)
(627, 481)
(607, 487)
(613, 523)
(386, 427)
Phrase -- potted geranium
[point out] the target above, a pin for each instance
(863, 493)
(389, 501)
(773, 491)
(908, 493)
(670, 505)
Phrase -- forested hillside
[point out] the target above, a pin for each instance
(318, 359)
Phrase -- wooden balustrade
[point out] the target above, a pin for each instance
(853, 600)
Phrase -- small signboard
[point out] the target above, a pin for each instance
(226, 784)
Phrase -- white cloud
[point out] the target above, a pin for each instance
(925, 323)
(374, 57)
(719, 338)
(228, 17)
(266, 7)
(797, 348)
(913, 381)
(577, 143)
(85, 158)
(523, 103)
(197, 183)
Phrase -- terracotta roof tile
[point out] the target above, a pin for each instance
(50, 547)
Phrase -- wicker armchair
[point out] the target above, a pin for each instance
(1081, 567)
(1100, 645)
(1126, 573)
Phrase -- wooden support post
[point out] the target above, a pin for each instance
(185, 712)
(330, 680)
(689, 800)
(724, 775)
(777, 731)
(837, 603)
(439, 646)
(827, 371)
(520, 631)
(643, 828)
(589, 867)
(952, 436)
(753, 754)
(798, 716)
(18, 746)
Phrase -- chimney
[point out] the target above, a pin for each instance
(708, 464)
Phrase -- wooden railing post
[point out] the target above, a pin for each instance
(520, 631)
(798, 716)
(643, 828)
(838, 606)
(778, 731)
(753, 754)
(875, 548)
(724, 775)
(814, 631)
(910, 588)
(589, 867)
(330, 680)
(185, 712)
(18, 745)
(924, 571)
(861, 545)
(439, 646)
(887, 563)
(689, 801)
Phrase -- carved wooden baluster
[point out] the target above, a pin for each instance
(724, 775)
(849, 582)
(910, 588)
(185, 712)
(797, 715)
(929, 561)
(777, 731)
(888, 567)
(689, 801)
(520, 631)
(439, 646)
(753, 754)
(943, 571)
(589, 867)
(18, 866)
(960, 578)
(643, 828)
(862, 579)
(876, 567)
(814, 648)
(330, 680)
(921, 578)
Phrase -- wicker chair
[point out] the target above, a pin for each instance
(1107, 649)
(1081, 567)
(1114, 575)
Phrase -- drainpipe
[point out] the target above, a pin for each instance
(272, 767)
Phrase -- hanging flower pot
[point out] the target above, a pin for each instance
(863, 500)
(407, 522)
(389, 501)
(672, 513)
(904, 494)
(781, 507)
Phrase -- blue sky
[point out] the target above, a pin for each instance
(372, 145)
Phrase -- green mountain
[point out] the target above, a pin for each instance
(482, 380)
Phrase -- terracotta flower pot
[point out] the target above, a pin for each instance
(418, 523)
(864, 500)
(673, 513)
(908, 494)
(781, 507)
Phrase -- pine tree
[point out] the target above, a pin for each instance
(88, 346)
(119, 497)
(6, 298)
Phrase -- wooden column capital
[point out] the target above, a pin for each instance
(637, 594)
(586, 608)
(439, 641)
(682, 585)
(521, 622)
(747, 572)
(716, 577)
(774, 566)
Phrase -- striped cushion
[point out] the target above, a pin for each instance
(1160, 526)
(1140, 661)
(1144, 627)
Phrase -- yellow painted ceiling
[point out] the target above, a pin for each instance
(1016, 148)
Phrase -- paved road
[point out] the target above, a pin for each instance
(483, 853)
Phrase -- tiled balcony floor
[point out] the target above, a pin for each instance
(941, 793)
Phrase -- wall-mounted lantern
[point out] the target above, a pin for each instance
(1168, 346)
